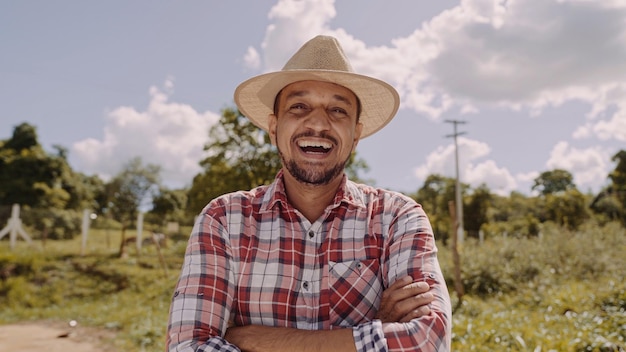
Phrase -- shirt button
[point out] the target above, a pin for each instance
(311, 234)
(305, 285)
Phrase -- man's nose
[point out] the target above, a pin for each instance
(318, 120)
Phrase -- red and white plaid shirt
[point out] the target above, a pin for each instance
(254, 259)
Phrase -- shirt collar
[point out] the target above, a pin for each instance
(348, 193)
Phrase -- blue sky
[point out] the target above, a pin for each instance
(541, 84)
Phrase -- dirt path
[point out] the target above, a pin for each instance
(52, 337)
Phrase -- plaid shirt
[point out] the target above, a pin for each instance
(254, 259)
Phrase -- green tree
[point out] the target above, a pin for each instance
(131, 191)
(568, 209)
(476, 213)
(28, 175)
(169, 205)
(610, 203)
(618, 177)
(241, 157)
(553, 181)
(50, 192)
(516, 215)
(434, 196)
(24, 137)
(607, 207)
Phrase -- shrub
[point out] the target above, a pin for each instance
(54, 224)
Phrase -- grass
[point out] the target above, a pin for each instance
(562, 292)
(128, 296)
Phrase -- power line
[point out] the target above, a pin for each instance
(459, 200)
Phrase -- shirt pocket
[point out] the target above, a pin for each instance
(355, 291)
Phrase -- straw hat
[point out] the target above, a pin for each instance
(320, 59)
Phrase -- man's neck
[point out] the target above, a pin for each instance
(311, 200)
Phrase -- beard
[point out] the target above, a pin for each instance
(310, 175)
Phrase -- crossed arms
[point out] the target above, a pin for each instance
(401, 302)
(412, 312)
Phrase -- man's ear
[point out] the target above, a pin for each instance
(272, 128)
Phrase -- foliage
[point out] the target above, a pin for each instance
(31, 177)
(553, 181)
(618, 175)
(241, 157)
(527, 226)
(131, 189)
(562, 291)
(169, 205)
(606, 207)
(52, 223)
(127, 297)
(434, 196)
(610, 203)
(568, 208)
(476, 210)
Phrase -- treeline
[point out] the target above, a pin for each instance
(240, 156)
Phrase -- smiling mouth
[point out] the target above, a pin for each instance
(315, 147)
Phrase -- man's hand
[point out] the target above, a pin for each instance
(404, 300)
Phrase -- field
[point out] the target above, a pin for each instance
(564, 291)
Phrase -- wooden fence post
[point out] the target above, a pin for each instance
(85, 231)
(139, 231)
(458, 284)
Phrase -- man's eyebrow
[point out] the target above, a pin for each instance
(342, 99)
(297, 93)
(301, 93)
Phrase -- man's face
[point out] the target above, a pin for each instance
(316, 130)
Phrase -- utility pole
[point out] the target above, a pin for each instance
(459, 201)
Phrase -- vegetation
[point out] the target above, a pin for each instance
(541, 272)
(563, 291)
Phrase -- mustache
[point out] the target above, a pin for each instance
(322, 135)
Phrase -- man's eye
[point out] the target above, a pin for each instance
(339, 111)
(297, 107)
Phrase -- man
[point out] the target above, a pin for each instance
(313, 261)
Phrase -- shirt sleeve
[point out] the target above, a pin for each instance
(369, 337)
(201, 302)
(412, 251)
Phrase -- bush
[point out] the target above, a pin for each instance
(561, 291)
(54, 224)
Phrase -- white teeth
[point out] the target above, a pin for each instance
(318, 144)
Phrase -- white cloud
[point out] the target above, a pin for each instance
(615, 128)
(589, 167)
(293, 23)
(472, 171)
(527, 50)
(168, 134)
(483, 54)
(498, 179)
(532, 53)
(252, 59)
(525, 182)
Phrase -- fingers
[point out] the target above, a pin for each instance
(416, 313)
(412, 297)
(405, 300)
(414, 306)
(405, 288)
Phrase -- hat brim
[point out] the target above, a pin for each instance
(379, 100)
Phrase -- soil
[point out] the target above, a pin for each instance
(53, 337)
